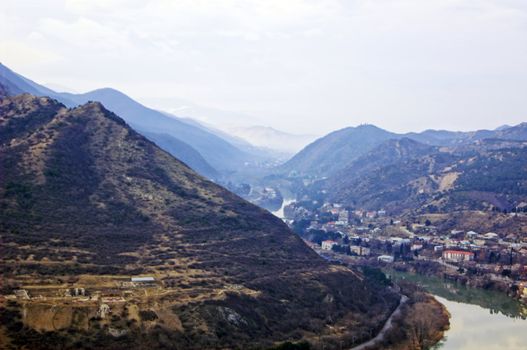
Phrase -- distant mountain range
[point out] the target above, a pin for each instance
(364, 165)
(237, 126)
(86, 202)
(405, 175)
(370, 168)
(334, 151)
(339, 149)
(219, 154)
(267, 137)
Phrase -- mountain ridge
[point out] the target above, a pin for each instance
(336, 150)
(485, 175)
(87, 202)
(217, 152)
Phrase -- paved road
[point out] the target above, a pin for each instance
(387, 326)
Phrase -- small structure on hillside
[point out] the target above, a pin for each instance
(359, 250)
(103, 310)
(457, 255)
(21, 294)
(385, 258)
(328, 244)
(143, 280)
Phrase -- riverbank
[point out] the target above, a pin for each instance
(421, 321)
(480, 319)
(388, 327)
(420, 324)
(462, 276)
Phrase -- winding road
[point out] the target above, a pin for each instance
(387, 326)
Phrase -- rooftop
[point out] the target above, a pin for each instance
(143, 279)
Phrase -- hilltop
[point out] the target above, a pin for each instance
(86, 203)
(403, 174)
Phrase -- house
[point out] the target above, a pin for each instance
(376, 231)
(328, 244)
(490, 235)
(143, 280)
(21, 294)
(415, 247)
(457, 255)
(385, 258)
(479, 242)
(343, 217)
(361, 251)
(472, 234)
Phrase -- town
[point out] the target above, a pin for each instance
(365, 237)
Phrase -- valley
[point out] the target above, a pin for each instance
(109, 240)
(263, 175)
(88, 203)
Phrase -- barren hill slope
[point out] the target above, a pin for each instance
(402, 175)
(86, 202)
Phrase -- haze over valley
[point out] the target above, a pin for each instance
(263, 175)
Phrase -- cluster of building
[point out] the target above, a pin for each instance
(81, 294)
(376, 236)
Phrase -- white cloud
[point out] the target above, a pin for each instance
(399, 63)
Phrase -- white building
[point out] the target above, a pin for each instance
(490, 235)
(146, 279)
(385, 258)
(457, 255)
(362, 251)
(416, 247)
(328, 244)
(343, 217)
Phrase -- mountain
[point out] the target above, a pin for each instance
(387, 153)
(257, 154)
(438, 137)
(517, 132)
(267, 137)
(217, 152)
(404, 175)
(339, 149)
(86, 202)
(16, 84)
(184, 153)
(336, 150)
(502, 127)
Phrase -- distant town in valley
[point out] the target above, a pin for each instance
(263, 175)
(375, 238)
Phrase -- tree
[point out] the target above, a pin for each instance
(421, 323)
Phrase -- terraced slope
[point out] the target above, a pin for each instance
(86, 202)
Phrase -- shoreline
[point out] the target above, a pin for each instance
(421, 324)
(388, 325)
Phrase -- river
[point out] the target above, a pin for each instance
(280, 212)
(480, 319)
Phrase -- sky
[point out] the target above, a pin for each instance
(296, 65)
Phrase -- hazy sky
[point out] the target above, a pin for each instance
(297, 65)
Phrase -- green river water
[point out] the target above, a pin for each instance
(480, 319)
